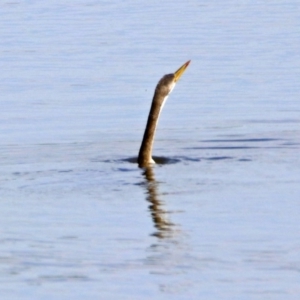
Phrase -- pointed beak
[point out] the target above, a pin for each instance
(180, 71)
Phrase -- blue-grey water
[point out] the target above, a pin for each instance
(79, 220)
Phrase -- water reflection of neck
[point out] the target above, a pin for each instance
(159, 215)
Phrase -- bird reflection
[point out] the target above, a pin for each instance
(159, 215)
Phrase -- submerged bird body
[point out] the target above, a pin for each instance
(162, 91)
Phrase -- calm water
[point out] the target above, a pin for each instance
(79, 220)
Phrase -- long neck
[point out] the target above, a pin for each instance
(145, 154)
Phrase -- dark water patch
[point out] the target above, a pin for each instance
(16, 173)
(219, 158)
(130, 159)
(100, 160)
(244, 159)
(126, 170)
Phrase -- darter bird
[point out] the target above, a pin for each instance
(162, 91)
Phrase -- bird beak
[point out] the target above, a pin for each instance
(180, 71)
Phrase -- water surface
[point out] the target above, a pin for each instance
(219, 219)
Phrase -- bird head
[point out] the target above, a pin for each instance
(167, 83)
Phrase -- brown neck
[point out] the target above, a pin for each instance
(145, 154)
